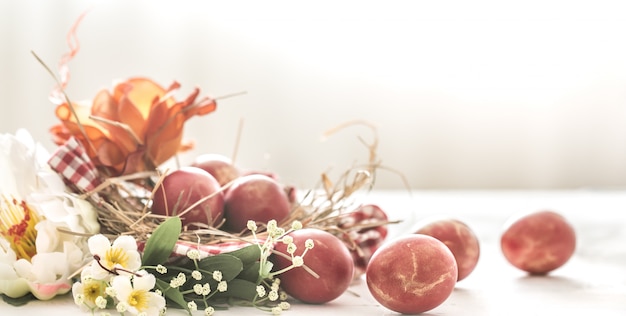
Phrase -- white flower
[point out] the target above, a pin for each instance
(209, 311)
(34, 255)
(222, 286)
(118, 257)
(251, 225)
(284, 305)
(136, 294)
(217, 275)
(260, 290)
(192, 306)
(291, 248)
(309, 244)
(193, 254)
(161, 269)
(273, 296)
(197, 288)
(206, 289)
(101, 302)
(87, 291)
(296, 225)
(297, 261)
(196, 275)
(287, 240)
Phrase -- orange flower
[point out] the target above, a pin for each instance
(136, 127)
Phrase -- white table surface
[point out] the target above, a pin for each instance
(593, 282)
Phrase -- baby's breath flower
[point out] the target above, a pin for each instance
(197, 288)
(158, 292)
(206, 289)
(192, 306)
(79, 299)
(178, 281)
(291, 248)
(252, 226)
(283, 296)
(174, 283)
(297, 261)
(217, 275)
(110, 291)
(275, 284)
(196, 275)
(193, 254)
(121, 307)
(309, 244)
(287, 240)
(296, 225)
(142, 314)
(161, 269)
(222, 286)
(272, 225)
(280, 231)
(276, 310)
(284, 305)
(260, 290)
(101, 302)
(273, 296)
(209, 311)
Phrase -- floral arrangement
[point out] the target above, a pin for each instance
(84, 218)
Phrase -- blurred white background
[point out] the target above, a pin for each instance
(466, 95)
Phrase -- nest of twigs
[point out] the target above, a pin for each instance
(123, 203)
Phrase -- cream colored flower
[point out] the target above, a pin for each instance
(135, 293)
(110, 259)
(35, 256)
(87, 291)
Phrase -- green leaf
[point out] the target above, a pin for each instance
(242, 289)
(229, 265)
(250, 272)
(172, 295)
(247, 255)
(18, 301)
(162, 241)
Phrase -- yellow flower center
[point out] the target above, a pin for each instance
(114, 256)
(92, 289)
(138, 299)
(17, 226)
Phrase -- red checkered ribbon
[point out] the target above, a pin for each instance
(71, 161)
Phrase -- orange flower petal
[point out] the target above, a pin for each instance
(141, 92)
(110, 155)
(104, 106)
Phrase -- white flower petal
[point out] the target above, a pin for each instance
(134, 260)
(24, 269)
(10, 283)
(75, 256)
(122, 287)
(98, 244)
(87, 213)
(48, 238)
(125, 242)
(50, 267)
(7, 255)
(145, 282)
(157, 304)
